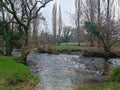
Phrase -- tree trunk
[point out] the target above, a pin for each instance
(99, 44)
(8, 49)
(106, 69)
(91, 41)
(78, 35)
(25, 50)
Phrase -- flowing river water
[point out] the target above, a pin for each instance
(64, 72)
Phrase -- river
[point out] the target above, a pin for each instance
(65, 72)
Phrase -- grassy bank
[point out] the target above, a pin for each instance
(86, 50)
(105, 86)
(63, 48)
(66, 47)
(15, 76)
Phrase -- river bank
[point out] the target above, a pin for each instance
(15, 76)
(86, 51)
(63, 71)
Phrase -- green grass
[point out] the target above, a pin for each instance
(105, 86)
(70, 47)
(15, 76)
(82, 44)
(67, 48)
(115, 74)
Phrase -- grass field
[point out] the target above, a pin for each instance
(70, 47)
(105, 86)
(15, 76)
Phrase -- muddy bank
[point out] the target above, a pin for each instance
(101, 54)
(87, 53)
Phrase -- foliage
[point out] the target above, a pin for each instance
(48, 49)
(66, 38)
(6, 33)
(15, 76)
(67, 35)
(46, 38)
(92, 28)
(41, 49)
(45, 49)
(115, 74)
(68, 48)
(17, 35)
(28, 11)
(106, 35)
(11, 37)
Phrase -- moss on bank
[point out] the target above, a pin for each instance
(15, 76)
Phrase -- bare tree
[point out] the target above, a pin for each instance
(99, 11)
(67, 34)
(60, 24)
(27, 8)
(54, 21)
(2, 11)
(78, 12)
(90, 11)
(98, 18)
(107, 28)
(35, 31)
(110, 29)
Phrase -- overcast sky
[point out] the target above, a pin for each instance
(67, 6)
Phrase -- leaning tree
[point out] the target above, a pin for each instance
(22, 11)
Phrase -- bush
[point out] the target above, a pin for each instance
(45, 49)
(41, 49)
(115, 74)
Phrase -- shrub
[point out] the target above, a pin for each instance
(41, 49)
(45, 49)
(115, 74)
(48, 49)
